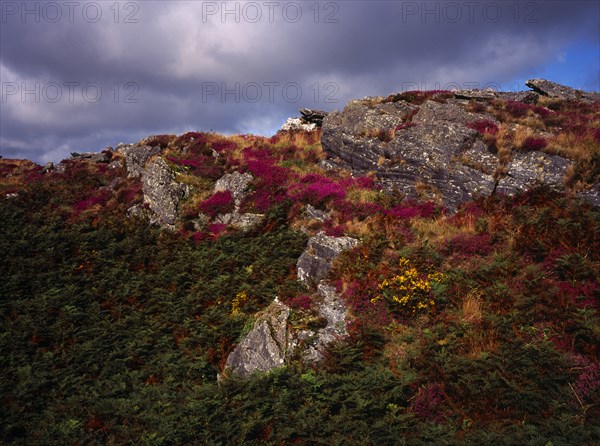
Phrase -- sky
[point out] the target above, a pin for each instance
(79, 76)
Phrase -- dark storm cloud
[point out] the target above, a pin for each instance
(177, 66)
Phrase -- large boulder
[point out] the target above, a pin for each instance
(313, 116)
(298, 124)
(273, 341)
(236, 183)
(316, 261)
(554, 90)
(265, 346)
(161, 192)
(332, 309)
(530, 169)
(136, 157)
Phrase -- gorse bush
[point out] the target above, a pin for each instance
(409, 291)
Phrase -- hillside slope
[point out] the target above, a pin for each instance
(129, 277)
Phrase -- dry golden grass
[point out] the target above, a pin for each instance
(364, 228)
(472, 308)
(363, 195)
(572, 146)
(440, 229)
(480, 341)
(522, 133)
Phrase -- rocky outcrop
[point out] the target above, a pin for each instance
(316, 261)
(300, 124)
(273, 340)
(332, 309)
(554, 90)
(237, 184)
(136, 157)
(94, 157)
(161, 192)
(310, 121)
(265, 346)
(530, 169)
(313, 116)
(429, 151)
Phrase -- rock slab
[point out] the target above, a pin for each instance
(316, 261)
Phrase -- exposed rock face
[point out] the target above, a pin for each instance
(162, 192)
(243, 222)
(298, 124)
(136, 157)
(356, 135)
(433, 156)
(316, 261)
(317, 214)
(272, 341)
(530, 169)
(237, 184)
(265, 346)
(95, 157)
(313, 116)
(554, 90)
(332, 309)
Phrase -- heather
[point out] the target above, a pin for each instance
(474, 327)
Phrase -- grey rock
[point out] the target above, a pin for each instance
(316, 261)
(300, 124)
(438, 158)
(115, 164)
(591, 195)
(332, 308)
(161, 192)
(243, 222)
(529, 169)
(236, 183)
(313, 116)
(316, 214)
(554, 90)
(442, 156)
(136, 211)
(60, 167)
(94, 157)
(355, 135)
(476, 94)
(49, 167)
(528, 97)
(432, 112)
(136, 157)
(265, 346)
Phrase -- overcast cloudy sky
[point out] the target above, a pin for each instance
(83, 75)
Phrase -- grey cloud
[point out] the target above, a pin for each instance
(172, 56)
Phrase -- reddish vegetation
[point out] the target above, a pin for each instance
(484, 126)
(532, 143)
(465, 245)
(219, 203)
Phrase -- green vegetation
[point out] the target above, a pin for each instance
(113, 332)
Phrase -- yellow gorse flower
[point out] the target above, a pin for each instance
(409, 290)
(237, 302)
